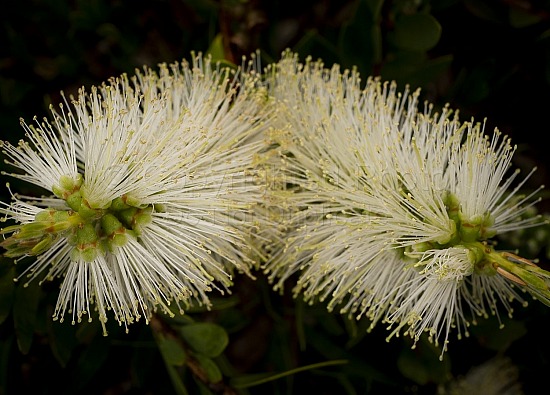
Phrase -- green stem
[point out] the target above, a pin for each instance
(522, 272)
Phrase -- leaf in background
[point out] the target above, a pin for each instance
(212, 371)
(422, 364)
(495, 337)
(356, 330)
(25, 308)
(177, 383)
(145, 361)
(174, 356)
(205, 338)
(414, 68)
(368, 370)
(300, 325)
(416, 32)
(217, 52)
(7, 287)
(360, 40)
(89, 362)
(216, 48)
(171, 350)
(486, 10)
(312, 42)
(218, 303)
(62, 339)
(474, 85)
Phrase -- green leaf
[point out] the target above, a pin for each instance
(62, 339)
(417, 32)
(218, 303)
(422, 363)
(7, 288)
(314, 43)
(494, 336)
(177, 382)
(174, 356)
(205, 338)
(144, 361)
(415, 69)
(360, 42)
(89, 363)
(217, 52)
(171, 350)
(87, 331)
(300, 331)
(210, 368)
(375, 7)
(486, 10)
(358, 366)
(25, 307)
(216, 48)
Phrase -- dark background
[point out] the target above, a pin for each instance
(489, 59)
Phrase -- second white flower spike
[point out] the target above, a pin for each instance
(390, 210)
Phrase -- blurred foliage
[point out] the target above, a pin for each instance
(490, 59)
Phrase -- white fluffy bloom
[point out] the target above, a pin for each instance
(388, 211)
(152, 189)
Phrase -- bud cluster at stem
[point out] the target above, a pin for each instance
(469, 234)
(471, 253)
(90, 230)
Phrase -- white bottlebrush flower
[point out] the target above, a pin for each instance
(389, 211)
(497, 376)
(150, 182)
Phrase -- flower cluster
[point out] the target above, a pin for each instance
(150, 189)
(164, 184)
(389, 211)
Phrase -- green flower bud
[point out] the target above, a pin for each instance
(449, 237)
(114, 230)
(88, 213)
(86, 234)
(45, 215)
(32, 230)
(67, 185)
(43, 245)
(87, 254)
(117, 240)
(119, 204)
(110, 224)
(476, 227)
(127, 216)
(87, 245)
(159, 208)
(74, 201)
(453, 206)
(421, 247)
(131, 201)
(142, 218)
(60, 226)
(62, 215)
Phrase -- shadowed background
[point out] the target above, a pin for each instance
(488, 59)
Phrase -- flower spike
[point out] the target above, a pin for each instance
(151, 183)
(389, 210)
